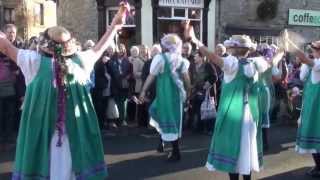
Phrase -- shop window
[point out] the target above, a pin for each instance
(179, 13)
(170, 19)
(9, 15)
(39, 14)
(267, 39)
(164, 12)
(130, 20)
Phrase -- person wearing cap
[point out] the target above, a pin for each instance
(238, 116)
(59, 137)
(308, 134)
(170, 70)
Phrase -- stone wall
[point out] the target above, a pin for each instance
(80, 17)
(243, 13)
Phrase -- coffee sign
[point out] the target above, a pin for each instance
(182, 3)
(304, 17)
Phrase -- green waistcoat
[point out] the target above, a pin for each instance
(38, 125)
(225, 145)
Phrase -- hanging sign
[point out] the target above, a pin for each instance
(182, 3)
(304, 17)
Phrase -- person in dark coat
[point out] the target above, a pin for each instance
(121, 72)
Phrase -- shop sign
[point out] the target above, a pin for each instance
(182, 3)
(304, 17)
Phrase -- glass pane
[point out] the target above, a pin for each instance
(13, 15)
(7, 15)
(194, 13)
(130, 20)
(179, 13)
(197, 28)
(164, 12)
(111, 14)
(37, 13)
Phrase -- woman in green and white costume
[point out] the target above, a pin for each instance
(308, 137)
(70, 148)
(266, 89)
(170, 70)
(236, 144)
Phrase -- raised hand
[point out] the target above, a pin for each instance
(120, 18)
(3, 35)
(189, 31)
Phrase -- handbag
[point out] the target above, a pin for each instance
(112, 110)
(208, 107)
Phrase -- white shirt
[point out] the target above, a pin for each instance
(175, 61)
(29, 62)
(231, 67)
(315, 72)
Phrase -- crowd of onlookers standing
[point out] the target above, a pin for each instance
(118, 78)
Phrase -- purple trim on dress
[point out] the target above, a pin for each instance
(223, 158)
(19, 176)
(92, 171)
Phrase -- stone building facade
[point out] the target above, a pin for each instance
(30, 16)
(246, 17)
(88, 19)
(80, 17)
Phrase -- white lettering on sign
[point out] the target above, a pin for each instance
(182, 3)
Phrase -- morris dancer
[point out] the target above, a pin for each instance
(59, 136)
(308, 137)
(170, 70)
(236, 146)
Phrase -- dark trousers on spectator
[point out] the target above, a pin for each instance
(7, 110)
(101, 105)
(143, 115)
(121, 102)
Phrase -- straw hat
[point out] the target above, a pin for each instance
(240, 41)
(315, 45)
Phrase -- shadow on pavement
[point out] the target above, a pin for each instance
(156, 165)
(297, 174)
(281, 138)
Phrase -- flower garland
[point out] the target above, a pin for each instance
(60, 72)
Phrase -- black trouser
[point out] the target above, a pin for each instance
(195, 112)
(234, 176)
(101, 105)
(316, 158)
(7, 109)
(143, 114)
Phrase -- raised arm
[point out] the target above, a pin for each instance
(7, 48)
(277, 57)
(109, 35)
(300, 54)
(189, 34)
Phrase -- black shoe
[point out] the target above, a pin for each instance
(314, 172)
(160, 148)
(174, 157)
